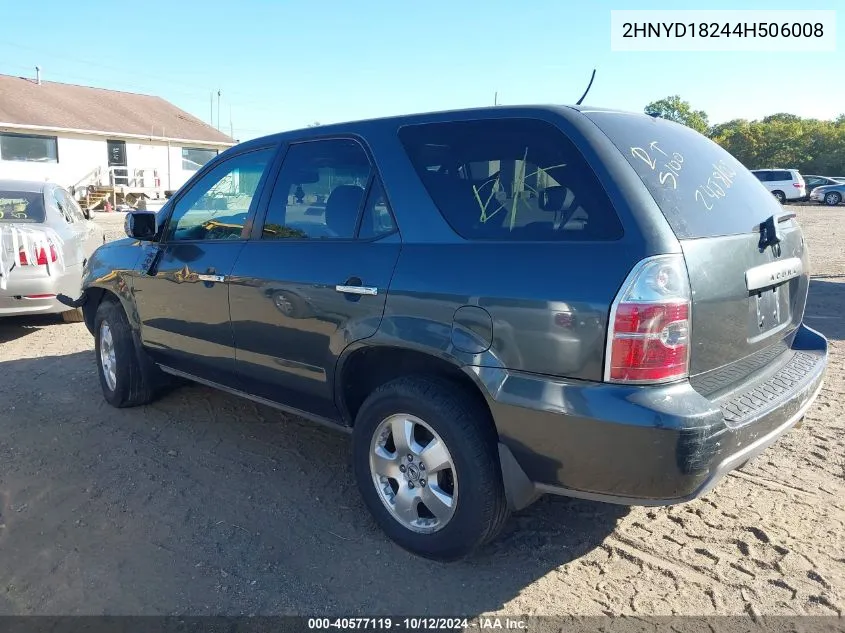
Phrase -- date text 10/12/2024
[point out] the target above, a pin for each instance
(419, 624)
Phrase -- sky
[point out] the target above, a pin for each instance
(280, 64)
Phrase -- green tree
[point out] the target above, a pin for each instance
(676, 109)
(781, 139)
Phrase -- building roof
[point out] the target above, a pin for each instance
(51, 105)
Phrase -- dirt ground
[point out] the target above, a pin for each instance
(206, 504)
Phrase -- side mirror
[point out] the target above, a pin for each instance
(86, 213)
(168, 194)
(140, 225)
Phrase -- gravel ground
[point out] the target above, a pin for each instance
(203, 503)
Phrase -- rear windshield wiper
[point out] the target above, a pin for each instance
(770, 234)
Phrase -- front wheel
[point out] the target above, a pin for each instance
(126, 378)
(832, 198)
(425, 461)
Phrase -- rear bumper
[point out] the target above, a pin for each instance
(21, 298)
(644, 445)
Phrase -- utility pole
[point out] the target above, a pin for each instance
(211, 114)
(231, 125)
(219, 92)
(496, 98)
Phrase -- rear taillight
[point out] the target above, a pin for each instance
(41, 256)
(798, 185)
(649, 328)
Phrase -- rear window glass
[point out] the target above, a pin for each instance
(510, 179)
(701, 189)
(21, 206)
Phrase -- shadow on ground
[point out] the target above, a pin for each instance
(203, 503)
(826, 306)
(13, 328)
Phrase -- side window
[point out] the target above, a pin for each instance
(73, 207)
(783, 175)
(377, 219)
(216, 206)
(510, 179)
(319, 191)
(63, 206)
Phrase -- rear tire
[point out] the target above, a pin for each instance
(73, 316)
(438, 412)
(780, 196)
(127, 377)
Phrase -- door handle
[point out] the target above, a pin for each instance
(357, 290)
(211, 276)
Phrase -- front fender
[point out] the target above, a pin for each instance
(109, 270)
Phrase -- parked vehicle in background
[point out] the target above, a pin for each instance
(784, 184)
(811, 182)
(45, 240)
(496, 303)
(830, 195)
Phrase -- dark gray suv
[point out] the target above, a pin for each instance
(497, 303)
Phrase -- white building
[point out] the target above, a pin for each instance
(100, 143)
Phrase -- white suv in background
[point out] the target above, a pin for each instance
(785, 184)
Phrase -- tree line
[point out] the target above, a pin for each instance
(782, 140)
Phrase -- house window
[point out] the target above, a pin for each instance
(29, 148)
(195, 157)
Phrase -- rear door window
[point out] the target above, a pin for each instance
(319, 191)
(701, 189)
(510, 179)
(63, 207)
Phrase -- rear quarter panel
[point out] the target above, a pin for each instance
(520, 285)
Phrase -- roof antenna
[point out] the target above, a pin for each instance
(589, 85)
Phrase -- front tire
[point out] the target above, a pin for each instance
(126, 377)
(832, 198)
(426, 463)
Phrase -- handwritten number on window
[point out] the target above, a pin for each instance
(669, 171)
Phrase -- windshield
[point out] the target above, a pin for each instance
(701, 189)
(21, 206)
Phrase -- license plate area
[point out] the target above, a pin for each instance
(768, 311)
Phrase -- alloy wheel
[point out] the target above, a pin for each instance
(413, 473)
